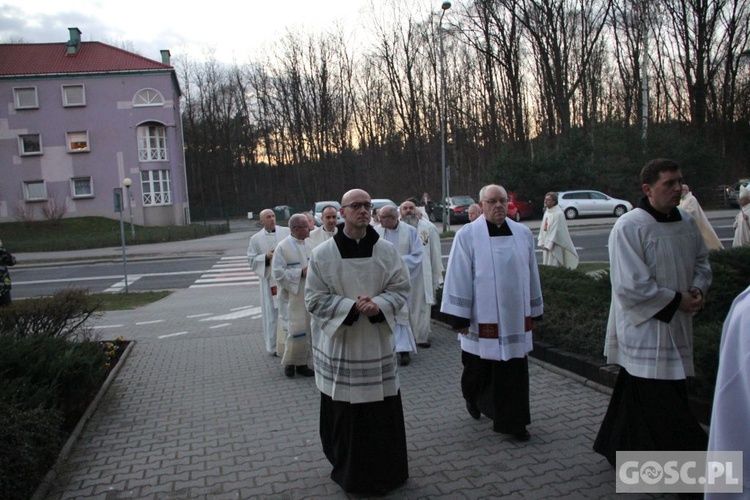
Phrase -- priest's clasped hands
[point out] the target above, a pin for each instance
(366, 306)
(692, 300)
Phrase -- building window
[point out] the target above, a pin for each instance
(73, 95)
(82, 187)
(30, 144)
(152, 143)
(35, 190)
(156, 187)
(25, 98)
(148, 97)
(78, 142)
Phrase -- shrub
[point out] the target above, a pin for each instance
(62, 315)
(30, 439)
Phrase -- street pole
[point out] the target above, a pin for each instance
(118, 208)
(127, 182)
(446, 211)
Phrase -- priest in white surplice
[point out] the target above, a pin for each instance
(356, 285)
(259, 254)
(490, 257)
(558, 249)
(742, 220)
(731, 409)
(329, 214)
(289, 265)
(660, 274)
(690, 204)
(404, 238)
(423, 294)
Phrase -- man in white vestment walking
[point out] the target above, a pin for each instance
(474, 212)
(742, 220)
(660, 274)
(289, 267)
(731, 409)
(329, 214)
(356, 285)
(490, 256)
(423, 293)
(404, 238)
(259, 254)
(690, 204)
(558, 249)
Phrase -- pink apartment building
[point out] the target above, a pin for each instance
(79, 118)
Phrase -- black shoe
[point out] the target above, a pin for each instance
(305, 371)
(289, 371)
(403, 358)
(522, 436)
(424, 345)
(473, 410)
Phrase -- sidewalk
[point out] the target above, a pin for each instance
(208, 414)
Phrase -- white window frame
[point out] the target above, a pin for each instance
(152, 143)
(22, 145)
(27, 194)
(156, 186)
(19, 92)
(81, 136)
(74, 190)
(148, 97)
(67, 102)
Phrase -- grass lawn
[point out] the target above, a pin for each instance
(124, 301)
(92, 232)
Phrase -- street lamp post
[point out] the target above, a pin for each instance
(446, 211)
(127, 182)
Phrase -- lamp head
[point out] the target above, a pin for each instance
(127, 182)
(446, 5)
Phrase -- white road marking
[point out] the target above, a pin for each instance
(171, 335)
(103, 327)
(234, 315)
(198, 315)
(150, 322)
(120, 285)
(228, 271)
(220, 326)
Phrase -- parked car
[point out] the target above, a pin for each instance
(381, 202)
(733, 192)
(318, 208)
(519, 207)
(458, 207)
(584, 203)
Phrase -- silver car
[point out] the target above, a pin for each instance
(583, 203)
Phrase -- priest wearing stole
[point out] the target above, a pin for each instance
(289, 267)
(404, 237)
(558, 249)
(259, 254)
(356, 285)
(660, 274)
(491, 257)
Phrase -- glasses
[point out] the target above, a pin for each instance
(495, 202)
(359, 206)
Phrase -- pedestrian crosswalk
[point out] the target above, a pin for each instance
(228, 271)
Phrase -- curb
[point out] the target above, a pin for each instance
(49, 478)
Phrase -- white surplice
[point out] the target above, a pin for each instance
(405, 239)
(356, 363)
(432, 275)
(690, 204)
(494, 281)
(289, 260)
(649, 262)
(319, 235)
(742, 228)
(558, 249)
(260, 243)
(731, 409)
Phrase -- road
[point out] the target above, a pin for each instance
(230, 268)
